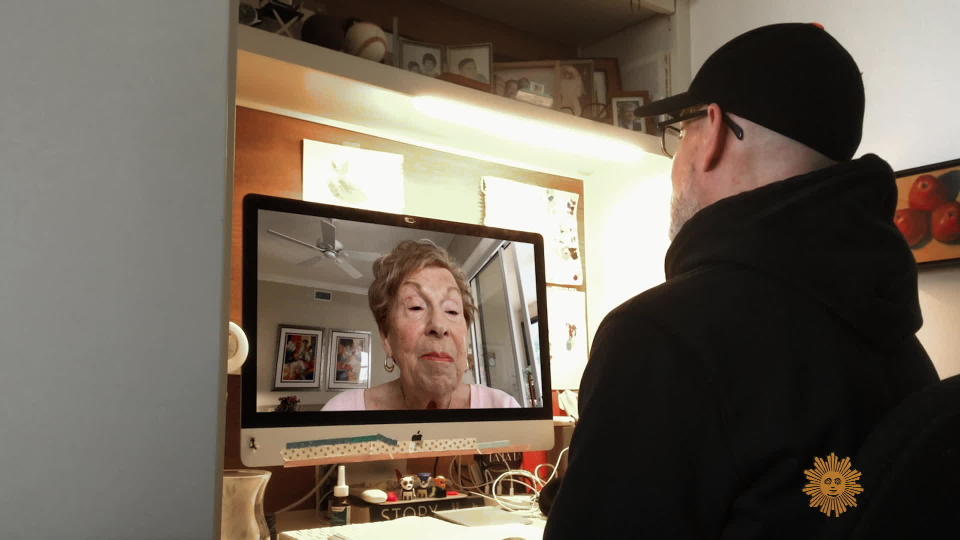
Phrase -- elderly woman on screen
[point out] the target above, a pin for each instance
(423, 307)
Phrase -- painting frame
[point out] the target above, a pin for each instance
(413, 52)
(930, 252)
(289, 338)
(334, 361)
(622, 99)
(453, 56)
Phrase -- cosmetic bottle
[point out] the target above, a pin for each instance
(340, 503)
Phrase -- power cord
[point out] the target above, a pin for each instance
(527, 479)
(309, 494)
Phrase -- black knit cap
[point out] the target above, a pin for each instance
(792, 78)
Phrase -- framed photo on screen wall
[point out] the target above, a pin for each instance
(297, 355)
(348, 360)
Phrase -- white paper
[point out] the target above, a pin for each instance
(354, 177)
(552, 213)
(567, 320)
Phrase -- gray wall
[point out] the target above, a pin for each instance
(113, 221)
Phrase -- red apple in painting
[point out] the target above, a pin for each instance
(946, 223)
(913, 224)
(928, 192)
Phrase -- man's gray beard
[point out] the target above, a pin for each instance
(682, 207)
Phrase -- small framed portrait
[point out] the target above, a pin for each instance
(297, 357)
(625, 105)
(424, 58)
(348, 359)
(471, 61)
(928, 212)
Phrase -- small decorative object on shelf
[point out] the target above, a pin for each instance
(324, 30)
(279, 16)
(422, 490)
(366, 40)
(439, 487)
(407, 487)
(249, 15)
(288, 404)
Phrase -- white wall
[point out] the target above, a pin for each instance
(907, 52)
(626, 220)
(113, 223)
(653, 55)
(640, 51)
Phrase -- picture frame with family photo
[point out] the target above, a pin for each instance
(567, 85)
(536, 79)
(419, 57)
(474, 61)
(623, 106)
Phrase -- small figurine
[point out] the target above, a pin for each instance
(417, 440)
(423, 485)
(406, 487)
(439, 487)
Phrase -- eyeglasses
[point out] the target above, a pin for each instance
(670, 136)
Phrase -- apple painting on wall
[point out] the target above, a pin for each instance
(928, 211)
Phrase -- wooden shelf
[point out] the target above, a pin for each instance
(290, 77)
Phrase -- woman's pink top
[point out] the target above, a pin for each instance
(481, 397)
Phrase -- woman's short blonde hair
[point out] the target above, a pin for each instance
(408, 257)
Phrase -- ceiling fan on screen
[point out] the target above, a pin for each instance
(330, 249)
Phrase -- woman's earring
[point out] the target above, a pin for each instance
(389, 367)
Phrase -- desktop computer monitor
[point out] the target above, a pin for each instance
(307, 274)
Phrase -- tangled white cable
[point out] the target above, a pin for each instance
(527, 479)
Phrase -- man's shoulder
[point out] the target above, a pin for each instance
(692, 293)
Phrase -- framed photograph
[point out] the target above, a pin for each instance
(424, 58)
(471, 61)
(297, 355)
(623, 107)
(537, 80)
(575, 87)
(348, 359)
(928, 212)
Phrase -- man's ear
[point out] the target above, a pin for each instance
(714, 137)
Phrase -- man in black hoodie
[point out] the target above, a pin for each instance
(784, 330)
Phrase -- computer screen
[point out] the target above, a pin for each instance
(363, 323)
